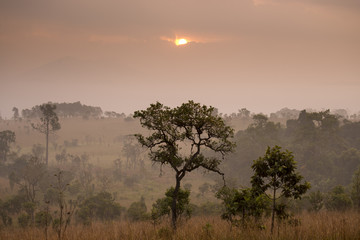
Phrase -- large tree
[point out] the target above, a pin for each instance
(6, 138)
(275, 172)
(49, 123)
(179, 137)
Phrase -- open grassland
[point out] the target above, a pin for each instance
(324, 225)
(101, 139)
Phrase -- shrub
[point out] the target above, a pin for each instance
(137, 210)
(338, 200)
(101, 206)
(24, 220)
(42, 219)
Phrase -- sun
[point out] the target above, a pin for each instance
(181, 41)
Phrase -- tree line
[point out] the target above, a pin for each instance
(186, 138)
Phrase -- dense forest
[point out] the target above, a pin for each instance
(97, 171)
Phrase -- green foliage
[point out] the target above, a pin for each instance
(240, 205)
(14, 205)
(28, 173)
(137, 211)
(208, 230)
(325, 149)
(338, 199)
(75, 109)
(355, 188)
(180, 135)
(99, 207)
(162, 206)
(49, 120)
(43, 219)
(49, 123)
(4, 214)
(316, 200)
(276, 172)
(29, 207)
(191, 123)
(164, 233)
(6, 219)
(347, 161)
(24, 220)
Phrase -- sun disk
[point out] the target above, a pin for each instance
(181, 41)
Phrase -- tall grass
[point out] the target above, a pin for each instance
(324, 225)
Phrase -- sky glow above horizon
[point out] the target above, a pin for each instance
(120, 55)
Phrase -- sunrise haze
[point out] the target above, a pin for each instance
(122, 55)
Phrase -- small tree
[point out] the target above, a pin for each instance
(179, 136)
(316, 200)
(355, 189)
(6, 138)
(49, 123)
(16, 113)
(66, 210)
(28, 176)
(276, 172)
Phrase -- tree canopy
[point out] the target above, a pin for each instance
(275, 171)
(179, 137)
(49, 123)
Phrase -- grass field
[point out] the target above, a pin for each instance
(324, 225)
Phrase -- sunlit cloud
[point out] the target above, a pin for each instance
(179, 39)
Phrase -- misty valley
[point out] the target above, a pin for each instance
(72, 171)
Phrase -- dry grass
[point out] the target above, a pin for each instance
(327, 225)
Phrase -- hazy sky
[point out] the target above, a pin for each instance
(260, 54)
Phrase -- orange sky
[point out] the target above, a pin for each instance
(262, 54)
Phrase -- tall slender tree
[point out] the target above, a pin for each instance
(179, 137)
(49, 123)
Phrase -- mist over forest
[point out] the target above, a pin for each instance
(198, 120)
(96, 169)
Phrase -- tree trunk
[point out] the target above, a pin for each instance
(273, 212)
(174, 202)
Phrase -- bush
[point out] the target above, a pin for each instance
(99, 207)
(24, 220)
(137, 211)
(42, 219)
(338, 200)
